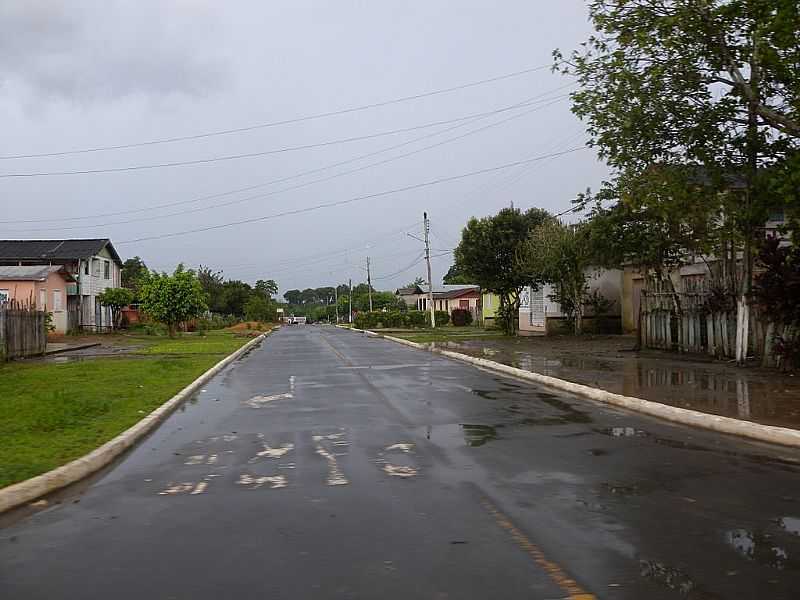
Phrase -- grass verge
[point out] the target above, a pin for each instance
(52, 413)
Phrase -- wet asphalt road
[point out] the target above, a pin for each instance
(325, 464)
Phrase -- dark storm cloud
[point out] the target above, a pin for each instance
(99, 50)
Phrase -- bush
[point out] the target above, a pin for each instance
(366, 320)
(461, 317)
(442, 317)
(416, 318)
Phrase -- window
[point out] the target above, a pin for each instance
(42, 300)
(777, 215)
(57, 306)
(106, 270)
(3, 296)
(86, 267)
(489, 301)
(96, 267)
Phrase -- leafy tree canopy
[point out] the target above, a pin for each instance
(173, 299)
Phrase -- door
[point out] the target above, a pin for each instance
(463, 304)
(98, 313)
(537, 307)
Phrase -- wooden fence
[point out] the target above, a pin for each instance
(682, 321)
(22, 332)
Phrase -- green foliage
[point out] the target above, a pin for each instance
(777, 285)
(116, 299)
(48, 322)
(173, 299)
(266, 288)
(398, 319)
(461, 317)
(455, 275)
(133, 275)
(442, 317)
(417, 318)
(216, 322)
(559, 254)
(487, 253)
(259, 308)
(694, 107)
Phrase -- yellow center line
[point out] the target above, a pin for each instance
(556, 573)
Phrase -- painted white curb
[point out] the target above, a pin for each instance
(763, 433)
(41, 485)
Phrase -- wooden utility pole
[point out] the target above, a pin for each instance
(369, 286)
(430, 277)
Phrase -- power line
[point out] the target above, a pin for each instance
(282, 122)
(463, 121)
(351, 200)
(307, 183)
(413, 264)
(229, 157)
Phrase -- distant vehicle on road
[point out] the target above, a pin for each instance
(295, 320)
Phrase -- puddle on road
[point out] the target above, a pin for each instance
(760, 547)
(478, 435)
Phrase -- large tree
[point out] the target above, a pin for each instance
(487, 255)
(680, 91)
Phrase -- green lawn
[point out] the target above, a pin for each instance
(51, 413)
(447, 333)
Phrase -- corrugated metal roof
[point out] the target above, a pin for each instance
(28, 250)
(27, 272)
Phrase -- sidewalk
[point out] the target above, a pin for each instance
(695, 382)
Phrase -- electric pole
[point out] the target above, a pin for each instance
(336, 302)
(430, 277)
(350, 301)
(369, 286)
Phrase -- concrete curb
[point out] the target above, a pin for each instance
(26, 491)
(755, 431)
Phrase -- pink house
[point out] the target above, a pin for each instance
(42, 286)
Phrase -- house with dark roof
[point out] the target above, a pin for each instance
(92, 265)
(445, 297)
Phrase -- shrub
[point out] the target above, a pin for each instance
(442, 317)
(461, 317)
(417, 318)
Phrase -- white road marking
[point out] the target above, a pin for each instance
(269, 452)
(275, 481)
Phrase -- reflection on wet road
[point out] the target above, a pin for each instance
(330, 465)
(761, 396)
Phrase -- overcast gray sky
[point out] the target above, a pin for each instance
(99, 73)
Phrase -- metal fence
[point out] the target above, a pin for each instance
(23, 331)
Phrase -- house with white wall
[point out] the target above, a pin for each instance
(539, 314)
(93, 264)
